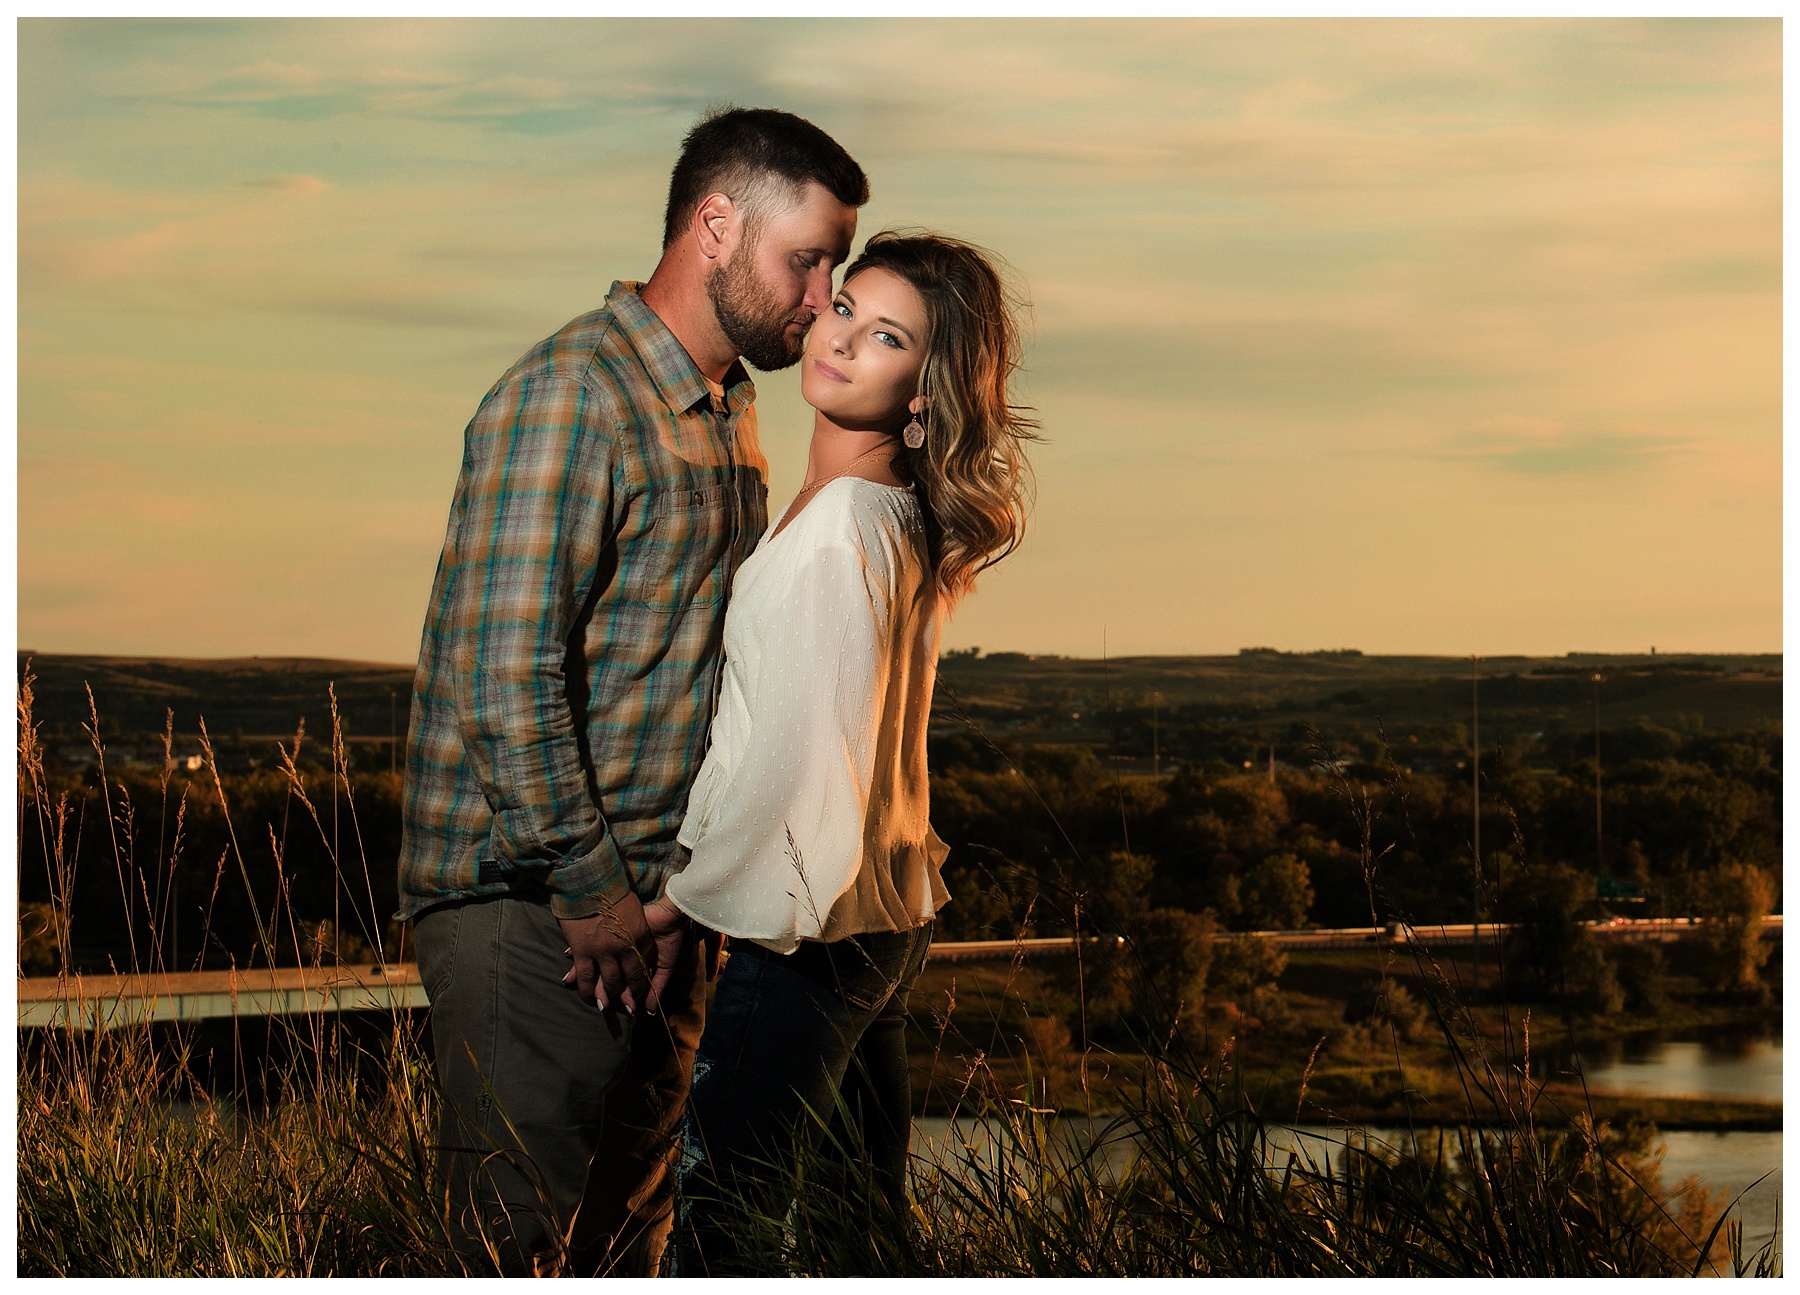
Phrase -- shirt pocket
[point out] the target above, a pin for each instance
(684, 556)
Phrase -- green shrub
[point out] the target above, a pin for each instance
(1387, 1004)
(1174, 953)
(1735, 899)
(1195, 1182)
(1641, 976)
(1276, 894)
(1244, 963)
(1547, 904)
(1593, 980)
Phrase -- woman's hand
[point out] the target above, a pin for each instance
(670, 930)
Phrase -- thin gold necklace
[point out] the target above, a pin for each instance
(806, 492)
(844, 471)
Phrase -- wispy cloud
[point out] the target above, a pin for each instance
(510, 101)
(1543, 447)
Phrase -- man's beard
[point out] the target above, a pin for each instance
(751, 315)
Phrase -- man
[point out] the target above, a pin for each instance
(611, 484)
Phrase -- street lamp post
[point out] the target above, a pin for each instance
(1475, 783)
(1599, 839)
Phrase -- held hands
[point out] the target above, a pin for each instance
(614, 955)
(627, 954)
(671, 931)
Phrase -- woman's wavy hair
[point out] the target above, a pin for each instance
(971, 472)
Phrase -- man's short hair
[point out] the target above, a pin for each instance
(757, 157)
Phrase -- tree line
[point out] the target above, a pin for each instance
(1046, 840)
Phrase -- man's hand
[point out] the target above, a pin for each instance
(671, 930)
(614, 954)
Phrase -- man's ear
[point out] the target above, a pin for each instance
(717, 225)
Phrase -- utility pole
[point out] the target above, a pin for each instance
(1155, 748)
(1271, 764)
(1599, 851)
(1475, 784)
(393, 733)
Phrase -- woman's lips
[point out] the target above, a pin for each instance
(829, 372)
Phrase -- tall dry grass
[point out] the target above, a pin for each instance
(131, 1164)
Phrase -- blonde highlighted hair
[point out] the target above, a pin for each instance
(971, 473)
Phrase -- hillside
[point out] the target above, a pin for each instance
(1258, 695)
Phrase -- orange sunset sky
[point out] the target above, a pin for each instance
(1439, 336)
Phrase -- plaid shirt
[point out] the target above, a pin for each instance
(571, 648)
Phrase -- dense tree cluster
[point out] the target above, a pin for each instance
(1046, 840)
(1266, 852)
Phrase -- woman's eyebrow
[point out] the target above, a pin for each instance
(897, 326)
(845, 294)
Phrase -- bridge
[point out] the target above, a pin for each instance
(103, 1002)
(89, 1002)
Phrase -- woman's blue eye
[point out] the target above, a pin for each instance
(841, 309)
(888, 338)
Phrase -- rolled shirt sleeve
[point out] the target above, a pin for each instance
(537, 509)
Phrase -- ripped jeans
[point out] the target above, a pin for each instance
(793, 1044)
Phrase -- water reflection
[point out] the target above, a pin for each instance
(1734, 1160)
(1733, 1064)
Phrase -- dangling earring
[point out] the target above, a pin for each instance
(914, 434)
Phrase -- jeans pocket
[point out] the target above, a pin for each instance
(435, 935)
(869, 999)
(868, 968)
(921, 950)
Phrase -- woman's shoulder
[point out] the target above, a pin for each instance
(858, 511)
(876, 528)
(891, 518)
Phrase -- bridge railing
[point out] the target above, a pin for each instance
(90, 1002)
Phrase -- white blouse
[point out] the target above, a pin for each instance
(810, 816)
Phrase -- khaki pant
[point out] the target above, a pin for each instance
(560, 1120)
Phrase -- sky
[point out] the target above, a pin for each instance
(1436, 336)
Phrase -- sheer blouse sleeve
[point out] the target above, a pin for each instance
(785, 835)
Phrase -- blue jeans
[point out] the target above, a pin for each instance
(789, 1036)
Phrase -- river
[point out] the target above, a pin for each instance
(1729, 1064)
(1732, 1065)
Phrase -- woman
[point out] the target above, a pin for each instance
(808, 823)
